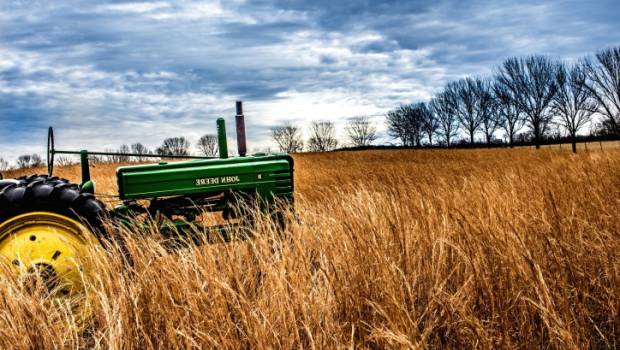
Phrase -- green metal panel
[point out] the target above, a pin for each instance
(269, 175)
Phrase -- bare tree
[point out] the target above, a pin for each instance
(361, 131)
(604, 128)
(288, 138)
(463, 96)
(322, 137)
(4, 165)
(574, 102)
(532, 85)
(487, 109)
(36, 160)
(23, 161)
(430, 125)
(442, 108)
(92, 160)
(401, 124)
(604, 84)
(174, 146)
(64, 161)
(407, 123)
(420, 116)
(207, 145)
(124, 149)
(509, 115)
(397, 125)
(112, 157)
(138, 148)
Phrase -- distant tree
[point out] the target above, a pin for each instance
(487, 108)
(397, 125)
(603, 128)
(138, 148)
(207, 145)
(92, 159)
(463, 96)
(265, 150)
(442, 108)
(322, 137)
(174, 146)
(361, 131)
(23, 161)
(407, 123)
(603, 82)
(401, 124)
(112, 157)
(124, 149)
(4, 165)
(574, 102)
(509, 115)
(421, 116)
(35, 160)
(532, 84)
(525, 137)
(64, 161)
(288, 138)
(430, 125)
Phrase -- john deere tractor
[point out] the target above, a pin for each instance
(47, 223)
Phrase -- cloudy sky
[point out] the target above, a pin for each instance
(105, 73)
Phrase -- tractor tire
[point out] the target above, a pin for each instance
(46, 227)
(52, 194)
(5, 183)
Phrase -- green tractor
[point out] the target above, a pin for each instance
(47, 223)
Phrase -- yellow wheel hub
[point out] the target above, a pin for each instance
(47, 250)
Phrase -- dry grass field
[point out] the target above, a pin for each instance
(446, 249)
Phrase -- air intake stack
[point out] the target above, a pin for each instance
(221, 138)
(240, 121)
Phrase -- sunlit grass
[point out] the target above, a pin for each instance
(392, 249)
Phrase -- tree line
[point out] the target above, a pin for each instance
(535, 93)
(529, 99)
(172, 146)
(360, 132)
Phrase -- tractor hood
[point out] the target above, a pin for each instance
(269, 175)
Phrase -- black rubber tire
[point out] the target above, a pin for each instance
(5, 183)
(56, 195)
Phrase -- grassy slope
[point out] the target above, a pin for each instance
(440, 249)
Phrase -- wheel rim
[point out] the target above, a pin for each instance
(48, 252)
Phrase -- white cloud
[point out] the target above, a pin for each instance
(133, 7)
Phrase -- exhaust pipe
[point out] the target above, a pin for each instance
(240, 121)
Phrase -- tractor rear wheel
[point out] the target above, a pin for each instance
(46, 227)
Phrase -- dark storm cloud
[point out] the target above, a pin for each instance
(109, 72)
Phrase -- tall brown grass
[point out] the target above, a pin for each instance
(392, 249)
